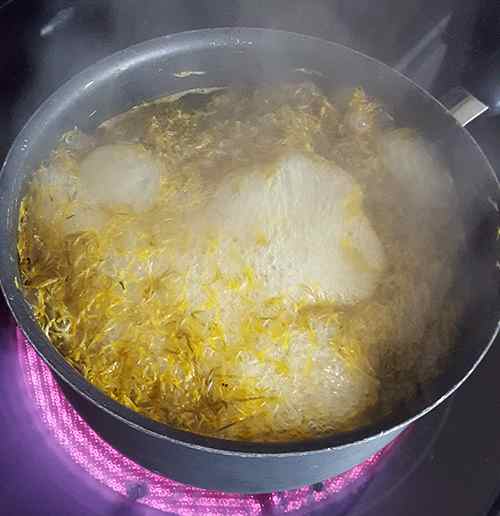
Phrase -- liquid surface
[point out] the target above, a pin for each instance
(260, 265)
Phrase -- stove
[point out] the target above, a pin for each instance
(56, 417)
(52, 463)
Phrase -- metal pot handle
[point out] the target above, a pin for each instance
(464, 106)
(481, 92)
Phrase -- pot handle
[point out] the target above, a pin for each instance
(464, 106)
(483, 81)
(481, 92)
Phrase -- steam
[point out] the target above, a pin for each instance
(62, 17)
(58, 40)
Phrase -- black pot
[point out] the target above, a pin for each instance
(249, 56)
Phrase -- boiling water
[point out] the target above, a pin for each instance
(259, 265)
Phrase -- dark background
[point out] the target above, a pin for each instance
(450, 463)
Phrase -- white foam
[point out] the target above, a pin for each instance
(297, 211)
(413, 163)
(121, 174)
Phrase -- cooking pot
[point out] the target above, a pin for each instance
(241, 56)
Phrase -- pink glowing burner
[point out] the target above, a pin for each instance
(123, 476)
